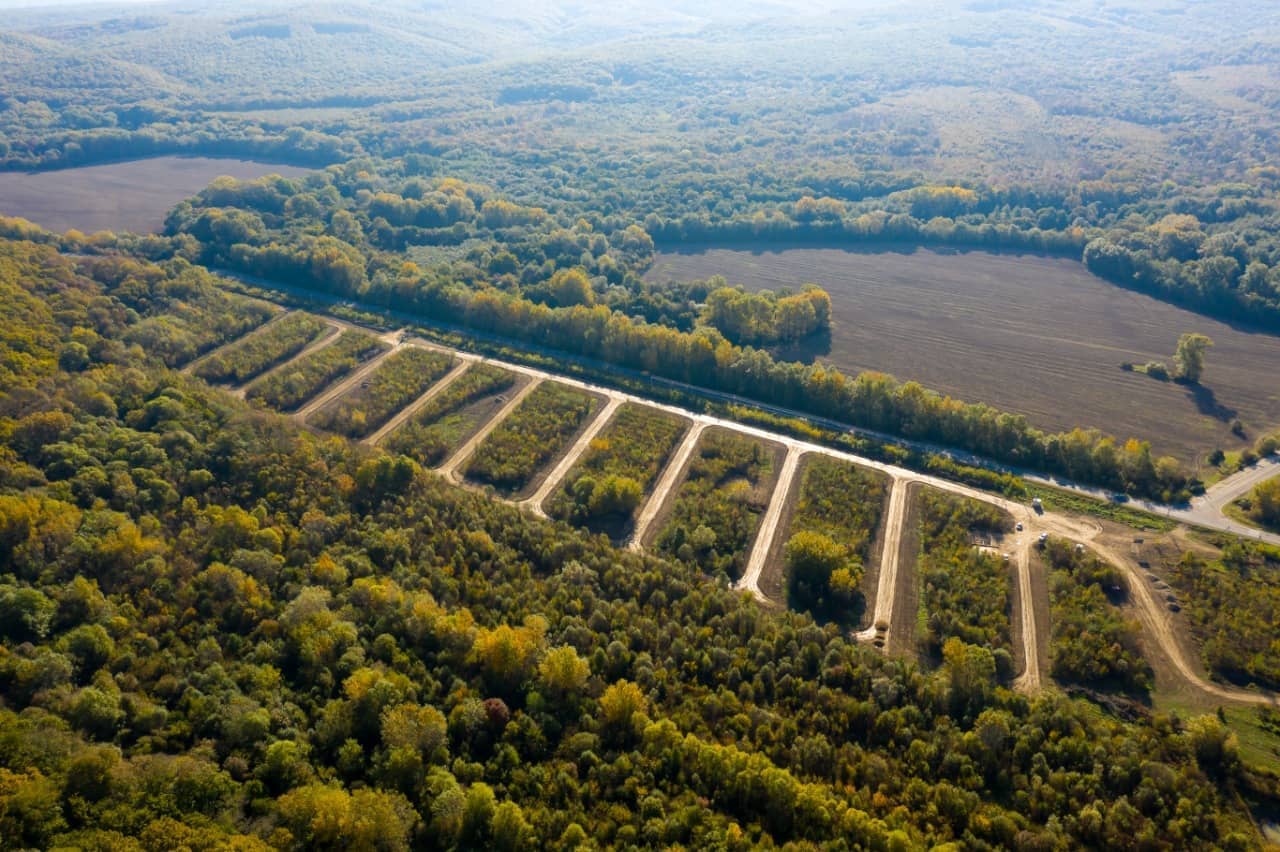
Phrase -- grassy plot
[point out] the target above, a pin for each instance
(260, 352)
(1092, 643)
(718, 507)
(1059, 500)
(196, 323)
(829, 539)
(1233, 606)
(968, 589)
(442, 425)
(398, 381)
(606, 486)
(518, 448)
(295, 383)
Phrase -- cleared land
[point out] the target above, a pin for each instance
(1035, 335)
(132, 196)
(447, 421)
(712, 519)
(523, 445)
(844, 503)
(395, 383)
(608, 482)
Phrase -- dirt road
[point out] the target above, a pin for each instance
(887, 586)
(669, 479)
(1029, 680)
(340, 387)
(1155, 621)
(326, 340)
(200, 359)
(769, 524)
(558, 473)
(414, 407)
(1076, 529)
(449, 470)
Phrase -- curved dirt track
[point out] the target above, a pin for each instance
(1155, 622)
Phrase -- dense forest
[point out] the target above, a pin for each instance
(573, 288)
(219, 629)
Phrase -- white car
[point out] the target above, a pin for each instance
(1018, 527)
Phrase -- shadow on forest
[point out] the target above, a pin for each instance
(806, 350)
(1207, 403)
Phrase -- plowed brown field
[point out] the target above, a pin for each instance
(1034, 335)
(132, 196)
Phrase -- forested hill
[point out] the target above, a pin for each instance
(220, 631)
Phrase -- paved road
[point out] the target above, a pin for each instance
(1224, 492)
(768, 530)
(561, 470)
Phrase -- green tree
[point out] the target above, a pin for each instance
(817, 567)
(571, 287)
(1190, 354)
(1266, 502)
(562, 673)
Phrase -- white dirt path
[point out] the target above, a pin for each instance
(449, 470)
(666, 483)
(750, 579)
(561, 470)
(414, 407)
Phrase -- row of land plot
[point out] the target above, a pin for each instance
(703, 493)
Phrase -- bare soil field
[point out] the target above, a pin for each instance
(131, 196)
(1034, 335)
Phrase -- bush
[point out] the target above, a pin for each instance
(437, 429)
(299, 381)
(519, 447)
(1092, 643)
(608, 483)
(838, 503)
(716, 510)
(259, 352)
(398, 381)
(968, 592)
